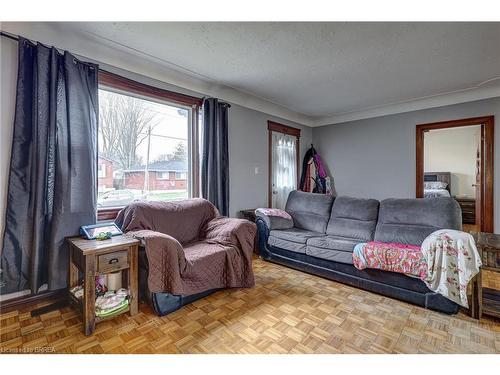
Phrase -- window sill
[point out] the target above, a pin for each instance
(104, 214)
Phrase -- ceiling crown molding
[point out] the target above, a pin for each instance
(113, 54)
(440, 100)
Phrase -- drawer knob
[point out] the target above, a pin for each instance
(114, 260)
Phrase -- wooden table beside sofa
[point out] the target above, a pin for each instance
(93, 258)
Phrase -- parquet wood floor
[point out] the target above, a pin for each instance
(287, 312)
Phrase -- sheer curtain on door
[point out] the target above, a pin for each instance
(284, 164)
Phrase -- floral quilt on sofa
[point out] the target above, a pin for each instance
(446, 261)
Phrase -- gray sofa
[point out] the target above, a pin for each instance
(323, 231)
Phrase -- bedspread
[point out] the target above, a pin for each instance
(452, 261)
(446, 262)
(394, 257)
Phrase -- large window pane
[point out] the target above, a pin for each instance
(143, 150)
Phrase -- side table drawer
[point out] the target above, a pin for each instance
(114, 261)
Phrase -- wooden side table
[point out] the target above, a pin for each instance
(249, 215)
(93, 258)
(486, 300)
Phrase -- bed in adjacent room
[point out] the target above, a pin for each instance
(437, 184)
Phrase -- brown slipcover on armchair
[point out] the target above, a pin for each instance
(190, 248)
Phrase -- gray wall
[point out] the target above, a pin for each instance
(376, 157)
(248, 149)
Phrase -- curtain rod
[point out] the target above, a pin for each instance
(10, 36)
(16, 38)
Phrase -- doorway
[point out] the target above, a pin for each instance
(455, 159)
(283, 162)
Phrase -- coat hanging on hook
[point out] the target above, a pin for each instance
(314, 178)
(313, 150)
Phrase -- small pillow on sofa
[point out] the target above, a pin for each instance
(275, 218)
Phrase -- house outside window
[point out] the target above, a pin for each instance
(101, 170)
(162, 175)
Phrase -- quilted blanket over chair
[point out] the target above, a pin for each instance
(190, 247)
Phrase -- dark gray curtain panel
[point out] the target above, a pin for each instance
(52, 183)
(215, 154)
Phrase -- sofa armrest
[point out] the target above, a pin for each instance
(240, 233)
(169, 245)
(274, 218)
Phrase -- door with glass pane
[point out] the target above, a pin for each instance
(283, 157)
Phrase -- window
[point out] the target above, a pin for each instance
(283, 162)
(145, 136)
(162, 175)
(180, 175)
(101, 170)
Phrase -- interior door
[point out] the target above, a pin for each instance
(484, 204)
(283, 168)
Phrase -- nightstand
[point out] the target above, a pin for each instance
(468, 206)
(485, 300)
(92, 258)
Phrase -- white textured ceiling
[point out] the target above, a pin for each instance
(320, 69)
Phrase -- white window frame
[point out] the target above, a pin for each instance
(192, 134)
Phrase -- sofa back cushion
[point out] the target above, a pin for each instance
(309, 211)
(353, 218)
(410, 221)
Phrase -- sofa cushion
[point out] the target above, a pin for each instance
(410, 221)
(287, 245)
(353, 218)
(295, 234)
(333, 243)
(328, 254)
(292, 239)
(309, 211)
(338, 249)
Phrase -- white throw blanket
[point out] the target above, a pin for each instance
(452, 261)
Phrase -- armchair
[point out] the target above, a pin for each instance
(190, 249)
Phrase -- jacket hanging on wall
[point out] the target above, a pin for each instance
(314, 178)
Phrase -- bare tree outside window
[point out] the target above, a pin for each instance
(180, 152)
(142, 150)
(124, 122)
